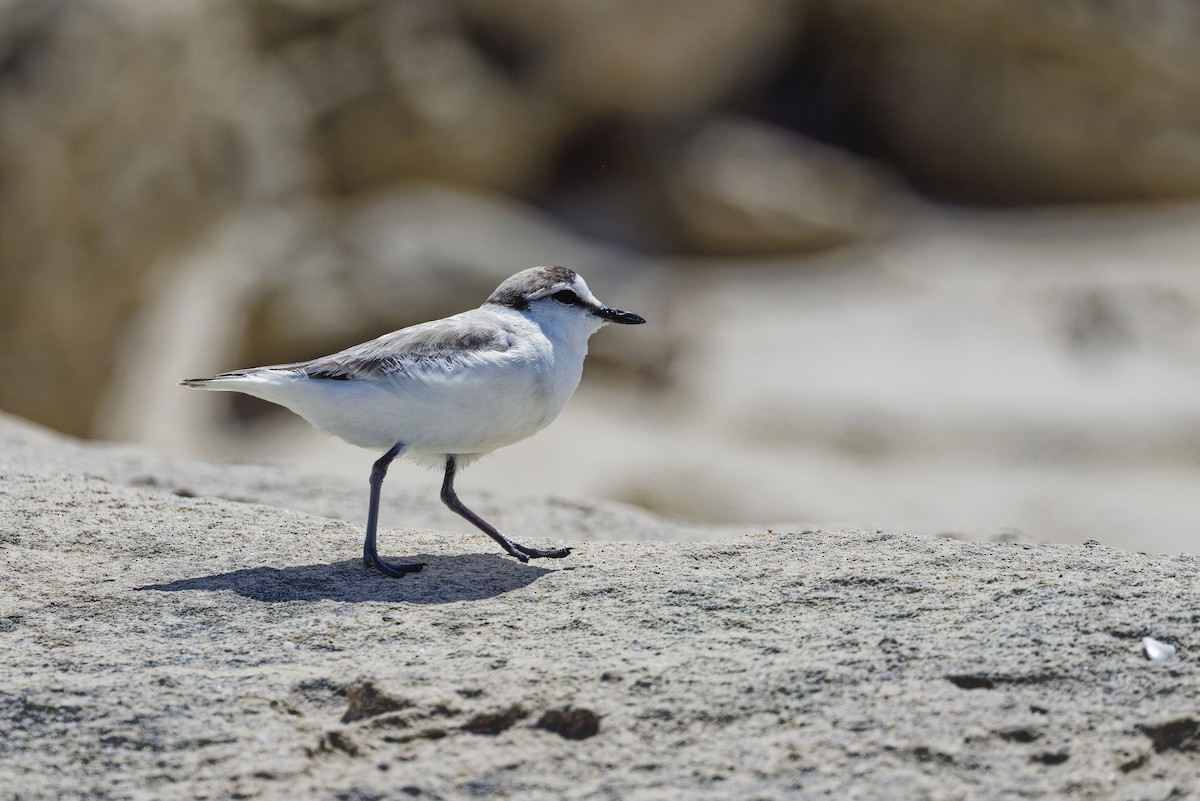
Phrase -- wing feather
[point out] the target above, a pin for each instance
(441, 344)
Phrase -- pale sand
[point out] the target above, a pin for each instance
(173, 629)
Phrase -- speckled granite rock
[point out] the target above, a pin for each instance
(163, 640)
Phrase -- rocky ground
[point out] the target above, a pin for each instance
(176, 629)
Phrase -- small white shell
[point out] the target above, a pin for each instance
(1157, 651)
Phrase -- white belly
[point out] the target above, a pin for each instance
(471, 410)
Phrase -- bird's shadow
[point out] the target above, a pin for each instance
(445, 579)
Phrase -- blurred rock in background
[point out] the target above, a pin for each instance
(117, 150)
(195, 186)
(1020, 101)
(737, 187)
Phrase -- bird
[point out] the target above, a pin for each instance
(446, 392)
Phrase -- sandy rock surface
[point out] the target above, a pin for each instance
(187, 630)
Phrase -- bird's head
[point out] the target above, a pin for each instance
(559, 295)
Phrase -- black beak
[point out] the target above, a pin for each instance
(618, 316)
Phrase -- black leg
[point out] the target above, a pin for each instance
(370, 554)
(514, 548)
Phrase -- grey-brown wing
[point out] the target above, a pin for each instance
(438, 345)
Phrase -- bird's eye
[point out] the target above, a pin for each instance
(566, 296)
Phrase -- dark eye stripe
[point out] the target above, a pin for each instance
(566, 296)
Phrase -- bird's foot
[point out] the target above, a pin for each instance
(393, 569)
(525, 553)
